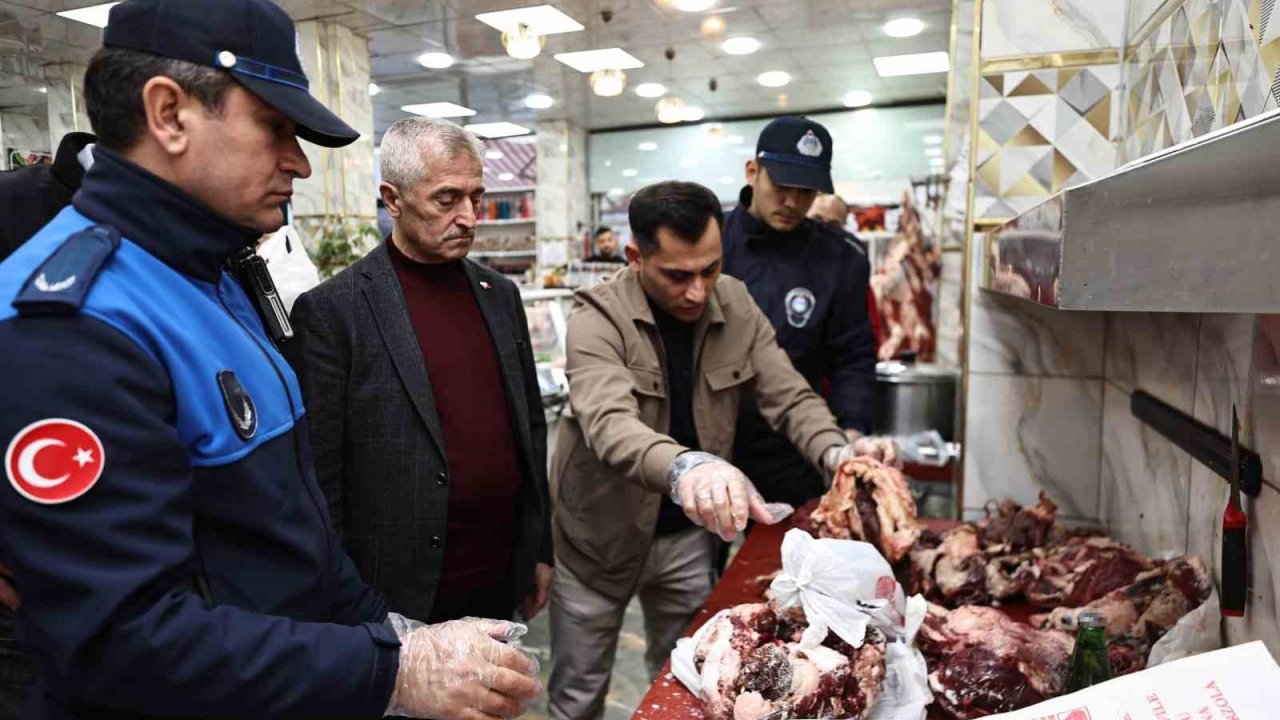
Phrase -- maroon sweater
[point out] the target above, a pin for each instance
(484, 467)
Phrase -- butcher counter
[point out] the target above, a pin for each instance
(760, 555)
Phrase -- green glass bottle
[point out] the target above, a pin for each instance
(1090, 663)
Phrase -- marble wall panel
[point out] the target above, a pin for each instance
(1155, 352)
(1012, 336)
(1145, 481)
(950, 299)
(562, 202)
(1028, 434)
(65, 101)
(1036, 27)
(25, 134)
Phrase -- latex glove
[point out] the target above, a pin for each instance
(717, 496)
(880, 447)
(537, 599)
(8, 592)
(460, 670)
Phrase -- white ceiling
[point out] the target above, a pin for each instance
(826, 45)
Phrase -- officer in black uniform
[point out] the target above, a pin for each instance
(31, 196)
(811, 280)
(160, 513)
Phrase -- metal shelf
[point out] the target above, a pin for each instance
(504, 253)
(507, 221)
(507, 191)
(1190, 229)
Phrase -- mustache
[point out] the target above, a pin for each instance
(459, 235)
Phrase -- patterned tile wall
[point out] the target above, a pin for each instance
(1212, 63)
(1042, 131)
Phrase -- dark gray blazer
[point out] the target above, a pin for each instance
(379, 452)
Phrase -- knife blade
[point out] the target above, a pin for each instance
(1235, 530)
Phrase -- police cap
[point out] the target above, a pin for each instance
(797, 153)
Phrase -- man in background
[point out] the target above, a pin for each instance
(812, 283)
(606, 247)
(31, 196)
(426, 414)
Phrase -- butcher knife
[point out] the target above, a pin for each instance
(1235, 529)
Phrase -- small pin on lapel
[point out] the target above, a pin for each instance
(484, 284)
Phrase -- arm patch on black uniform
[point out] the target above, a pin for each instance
(62, 282)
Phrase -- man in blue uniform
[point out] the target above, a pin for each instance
(811, 281)
(161, 515)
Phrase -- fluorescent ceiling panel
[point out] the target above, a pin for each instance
(497, 129)
(589, 61)
(541, 19)
(917, 64)
(438, 110)
(95, 15)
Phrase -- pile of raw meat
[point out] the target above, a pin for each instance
(982, 662)
(751, 664)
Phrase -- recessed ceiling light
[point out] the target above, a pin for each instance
(539, 101)
(857, 98)
(497, 129)
(903, 27)
(540, 19)
(647, 146)
(438, 110)
(506, 177)
(933, 151)
(693, 5)
(608, 163)
(374, 89)
(651, 90)
(630, 172)
(740, 45)
(932, 139)
(617, 191)
(589, 61)
(494, 154)
(692, 114)
(42, 90)
(435, 60)
(95, 15)
(916, 64)
(774, 78)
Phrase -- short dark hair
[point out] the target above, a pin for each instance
(684, 208)
(113, 91)
(603, 229)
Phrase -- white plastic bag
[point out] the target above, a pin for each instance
(290, 268)
(1197, 632)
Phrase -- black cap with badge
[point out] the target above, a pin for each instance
(796, 152)
(253, 39)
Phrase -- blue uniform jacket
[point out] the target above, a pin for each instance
(199, 575)
(812, 284)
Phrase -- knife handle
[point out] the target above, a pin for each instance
(1235, 560)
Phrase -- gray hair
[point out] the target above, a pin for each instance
(403, 143)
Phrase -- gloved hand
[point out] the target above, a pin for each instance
(879, 447)
(460, 670)
(717, 496)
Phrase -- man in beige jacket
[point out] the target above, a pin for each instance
(657, 357)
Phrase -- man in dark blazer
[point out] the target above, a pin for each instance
(426, 416)
(31, 196)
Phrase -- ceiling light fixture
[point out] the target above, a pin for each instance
(693, 6)
(857, 98)
(523, 44)
(589, 61)
(647, 146)
(916, 64)
(42, 90)
(497, 129)
(670, 110)
(608, 82)
(774, 78)
(95, 15)
(494, 154)
(374, 89)
(630, 172)
(438, 110)
(651, 90)
(932, 139)
(741, 45)
(903, 27)
(617, 191)
(506, 177)
(933, 152)
(435, 60)
(539, 101)
(713, 27)
(540, 19)
(692, 114)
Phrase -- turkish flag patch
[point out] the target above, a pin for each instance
(54, 461)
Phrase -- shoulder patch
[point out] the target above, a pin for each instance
(61, 283)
